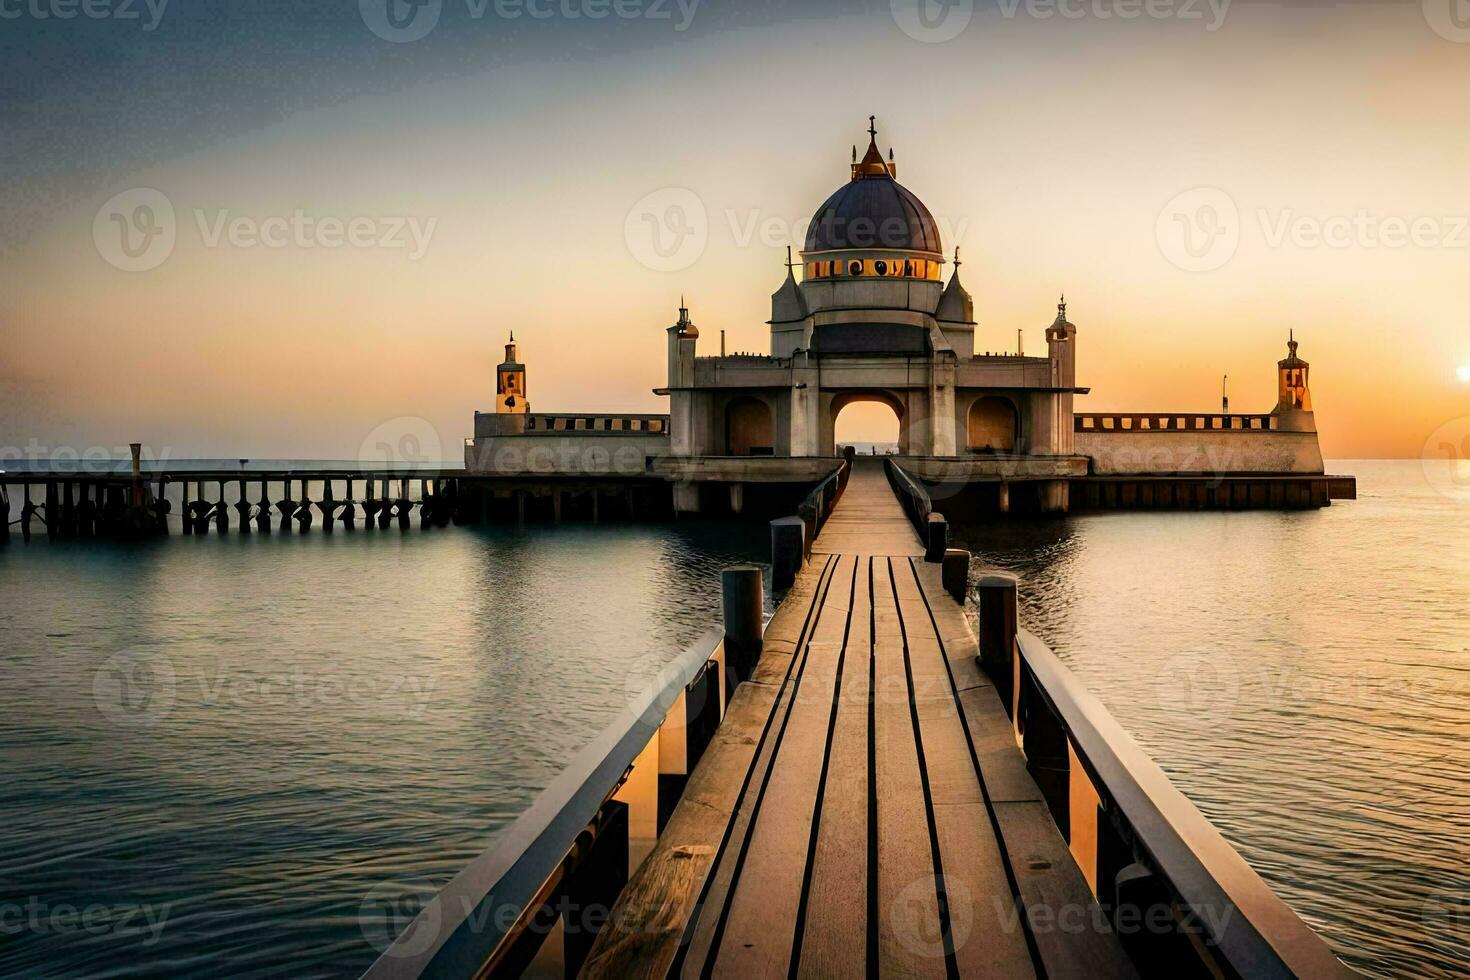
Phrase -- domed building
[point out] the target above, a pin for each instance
(866, 315)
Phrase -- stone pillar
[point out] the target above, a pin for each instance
(1055, 496)
(996, 597)
(955, 573)
(787, 550)
(737, 498)
(743, 594)
(1005, 497)
(686, 498)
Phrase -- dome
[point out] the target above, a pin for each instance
(873, 210)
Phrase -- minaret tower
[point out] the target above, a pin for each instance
(510, 383)
(1293, 394)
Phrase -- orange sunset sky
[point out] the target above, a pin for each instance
(1053, 151)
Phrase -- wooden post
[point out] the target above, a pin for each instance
(222, 511)
(520, 506)
(327, 506)
(556, 506)
(185, 517)
(52, 505)
(594, 885)
(1005, 497)
(938, 539)
(788, 536)
(996, 597)
(303, 508)
(596, 495)
(263, 509)
(955, 573)
(743, 595)
(5, 503)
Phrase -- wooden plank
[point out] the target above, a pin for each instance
(985, 935)
(1072, 935)
(909, 933)
(758, 934)
(723, 876)
(650, 917)
(869, 519)
(836, 910)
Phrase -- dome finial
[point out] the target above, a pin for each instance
(873, 128)
(1062, 307)
(957, 258)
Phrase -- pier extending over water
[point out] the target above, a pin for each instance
(862, 788)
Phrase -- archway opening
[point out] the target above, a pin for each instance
(992, 426)
(748, 428)
(872, 425)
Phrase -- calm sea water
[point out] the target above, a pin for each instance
(235, 753)
(242, 755)
(1303, 677)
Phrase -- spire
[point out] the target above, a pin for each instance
(957, 258)
(1062, 308)
(1291, 343)
(872, 164)
(789, 263)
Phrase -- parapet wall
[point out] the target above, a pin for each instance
(1209, 451)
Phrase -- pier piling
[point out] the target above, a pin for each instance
(955, 573)
(996, 597)
(743, 595)
(788, 542)
(937, 540)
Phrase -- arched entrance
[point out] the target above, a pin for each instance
(870, 420)
(748, 428)
(991, 426)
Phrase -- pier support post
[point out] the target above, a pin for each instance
(186, 517)
(263, 509)
(686, 498)
(53, 508)
(5, 504)
(996, 597)
(1055, 496)
(937, 539)
(737, 498)
(744, 601)
(788, 540)
(955, 573)
(1004, 500)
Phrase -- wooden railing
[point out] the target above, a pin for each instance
(931, 526)
(640, 424)
(567, 857)
(1171, 422)
(1181, 899)
(817, 506)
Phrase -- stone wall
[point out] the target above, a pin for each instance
(1166, 452)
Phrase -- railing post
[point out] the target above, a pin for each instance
(788, 538)
(592, 889)
(996, 597)
(955, 573)
(744, 602)
(937, 539)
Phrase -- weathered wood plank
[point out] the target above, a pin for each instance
(909, 932)
(759, 932)
(1071, 933)
(836, 910)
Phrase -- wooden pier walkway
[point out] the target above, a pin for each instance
(863, 809)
